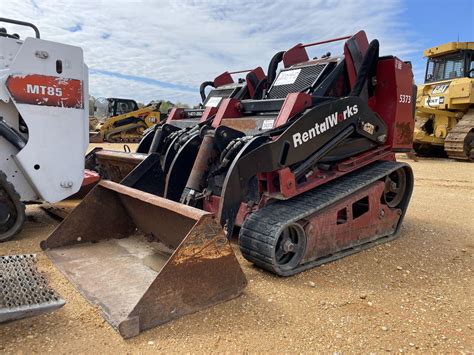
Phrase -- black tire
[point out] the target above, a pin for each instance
(12, 210)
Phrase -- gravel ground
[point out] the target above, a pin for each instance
(413, 294)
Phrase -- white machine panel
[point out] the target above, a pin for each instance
(48, 83)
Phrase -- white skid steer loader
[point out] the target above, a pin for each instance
(43, 140)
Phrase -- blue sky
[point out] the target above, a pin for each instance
(436, 21)
(163, 49)
(457, 20)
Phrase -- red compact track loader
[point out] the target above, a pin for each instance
(307, 172)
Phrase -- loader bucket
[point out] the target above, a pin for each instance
(117, 165)
(142, 259)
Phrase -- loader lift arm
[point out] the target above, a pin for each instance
(300, 142)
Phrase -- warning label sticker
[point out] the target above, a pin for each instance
(214, 101)
(287, 77)
(268, 124)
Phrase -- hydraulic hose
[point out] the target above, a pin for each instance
(11, 135)
(273, 66)
(21, 23)
(203, 87)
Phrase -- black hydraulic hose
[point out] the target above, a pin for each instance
(203, 87)
(273, 66)
(368, 67)
(21, 23)
(11, 135)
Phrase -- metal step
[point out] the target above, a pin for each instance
(24, 291)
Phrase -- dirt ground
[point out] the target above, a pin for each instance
(412, 294)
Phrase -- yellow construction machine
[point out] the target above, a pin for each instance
(444, 103)
(121, 120)
(103, 108)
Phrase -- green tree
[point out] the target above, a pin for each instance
(166, 106)
(181, 105)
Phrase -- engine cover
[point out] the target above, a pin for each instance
(46, 83)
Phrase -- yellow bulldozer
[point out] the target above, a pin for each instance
(121, 120)
(444, 103)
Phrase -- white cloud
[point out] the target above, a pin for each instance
(116, 87)
(187, 42)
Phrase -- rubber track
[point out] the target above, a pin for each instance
(259, 231)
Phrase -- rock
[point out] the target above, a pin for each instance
(384, 328)
(312, 284)
(370, 304)
(363, 296)
(411, 344)
(399, 268)
(151, 342)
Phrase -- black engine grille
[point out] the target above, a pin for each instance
(306, 78)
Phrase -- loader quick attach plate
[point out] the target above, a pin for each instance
(24, 292)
